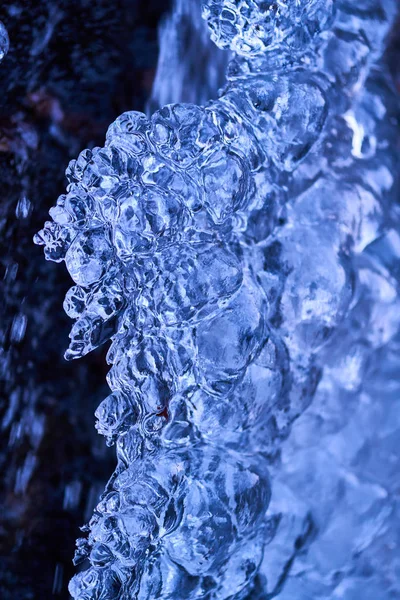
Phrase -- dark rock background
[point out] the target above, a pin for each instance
(73, 66)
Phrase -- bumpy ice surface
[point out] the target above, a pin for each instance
(242, 257)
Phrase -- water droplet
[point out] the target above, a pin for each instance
(18, 328)
(24, 208)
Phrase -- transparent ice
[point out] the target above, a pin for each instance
(4, 41)
(242, 257)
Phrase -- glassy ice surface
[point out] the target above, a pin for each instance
(191, 68)
(4, 41)
(242, 257)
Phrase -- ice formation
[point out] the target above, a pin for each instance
(4, 41)
(242, 257)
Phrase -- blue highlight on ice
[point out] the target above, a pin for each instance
(240, 257)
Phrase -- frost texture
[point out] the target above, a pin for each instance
(242, 256)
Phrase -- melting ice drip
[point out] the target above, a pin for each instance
(222, 249)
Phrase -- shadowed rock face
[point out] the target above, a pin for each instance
(71, 68)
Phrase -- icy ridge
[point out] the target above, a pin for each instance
(216, 247)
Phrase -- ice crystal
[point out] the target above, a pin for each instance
(4, 41)
(239, 256)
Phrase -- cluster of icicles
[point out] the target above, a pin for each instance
(217, 248)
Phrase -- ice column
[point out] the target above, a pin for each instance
(217, 247)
